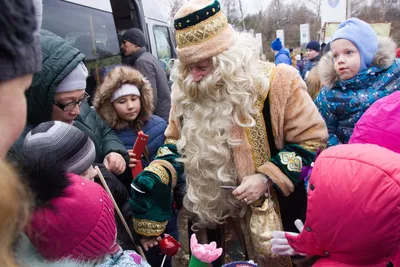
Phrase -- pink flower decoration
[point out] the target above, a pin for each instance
(136, 258)
(205, 253)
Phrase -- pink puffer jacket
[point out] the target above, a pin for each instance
(353, 215)
(380, 124)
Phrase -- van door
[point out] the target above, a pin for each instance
(159, 34)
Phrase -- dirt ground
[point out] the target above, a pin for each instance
(182, 258)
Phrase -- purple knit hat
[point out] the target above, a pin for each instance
(79, 224)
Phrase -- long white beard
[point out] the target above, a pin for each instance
(205, 147)
(209, 110)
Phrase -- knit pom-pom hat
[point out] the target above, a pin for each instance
(73, 218)
(276, 44)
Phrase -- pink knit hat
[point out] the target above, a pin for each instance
(79, 224)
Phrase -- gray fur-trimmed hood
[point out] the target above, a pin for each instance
(113, 81)
(384, 58)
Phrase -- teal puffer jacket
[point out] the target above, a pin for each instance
(59, 59)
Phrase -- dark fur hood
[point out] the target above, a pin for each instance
(114, 80)
(384, 58)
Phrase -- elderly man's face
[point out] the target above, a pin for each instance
(12, 110)
(201, 69)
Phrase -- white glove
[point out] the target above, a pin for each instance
(280, 244)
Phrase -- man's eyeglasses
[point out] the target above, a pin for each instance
(70, 106)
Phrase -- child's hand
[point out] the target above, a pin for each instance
(132, 159)
(149, 241)
(280, 244)
(115, 163)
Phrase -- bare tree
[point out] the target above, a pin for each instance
(230, 9)
(276, 11)
(386, 5)
(174, 6)
(357, 6)
(317, 6)
(241, 12)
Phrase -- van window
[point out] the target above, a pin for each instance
(90, 30)
(163, 43)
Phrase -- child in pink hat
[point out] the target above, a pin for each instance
(353, 210)
(72, 221)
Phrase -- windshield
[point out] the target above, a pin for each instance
(90, 30)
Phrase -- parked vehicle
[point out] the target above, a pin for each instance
(160, 37)
(95, 27)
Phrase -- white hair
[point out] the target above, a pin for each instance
(208, 110)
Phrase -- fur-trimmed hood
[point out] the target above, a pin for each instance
(113, 81)
(384, 58)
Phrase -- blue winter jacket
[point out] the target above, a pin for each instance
(342, 103)
(283, 56)
(309, 65)
(154, 128)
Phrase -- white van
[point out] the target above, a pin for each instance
(94, 27)
(159, 35)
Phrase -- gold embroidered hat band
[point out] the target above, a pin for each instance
(202, 31)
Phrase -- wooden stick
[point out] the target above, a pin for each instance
(103, 181)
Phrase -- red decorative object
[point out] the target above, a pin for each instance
(138, 149)
(169, 246)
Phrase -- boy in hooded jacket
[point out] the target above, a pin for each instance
(359, 70)
(282, 55)
(125, 101)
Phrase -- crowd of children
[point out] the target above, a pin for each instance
(56, 209)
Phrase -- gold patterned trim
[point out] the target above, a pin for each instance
(271, 78)
(313, 145)
(171, 169)
(170, 141)
(257, 135)
(293, 162)
(159, 171)
(202, 32)
(266, 69)
(163, 151)
(149, 228)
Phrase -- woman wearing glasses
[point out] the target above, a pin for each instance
(58, 93)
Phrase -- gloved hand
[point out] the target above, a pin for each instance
(280, 244)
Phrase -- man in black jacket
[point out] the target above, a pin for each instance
(134, 48)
